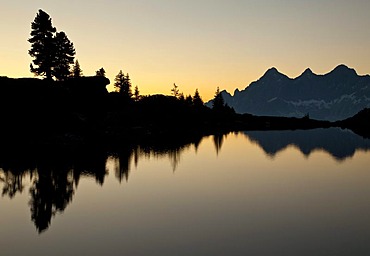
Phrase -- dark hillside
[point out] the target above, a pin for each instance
(81, 111)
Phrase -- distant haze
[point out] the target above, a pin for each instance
(200, 44)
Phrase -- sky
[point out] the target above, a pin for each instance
(197, 44)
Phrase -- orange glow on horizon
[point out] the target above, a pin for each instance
(197, 47)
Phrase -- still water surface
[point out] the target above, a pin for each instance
(250, 193)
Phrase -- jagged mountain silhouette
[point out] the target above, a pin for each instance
(334, 96)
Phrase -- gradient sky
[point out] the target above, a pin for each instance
(201, 44)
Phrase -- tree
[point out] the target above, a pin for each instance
(76, 70)
(42, 45)
(123, 85)
(197, 100)
(64, 56)
(175, 90)
(189, 100)
(52, 52)
(218, 100)
(136, 94)
(100, 72)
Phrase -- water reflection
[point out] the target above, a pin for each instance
(51, 192)
(12, 183)
(54, 176)
(218, 139)
(54, 173)
(51, 175)
(340, 144)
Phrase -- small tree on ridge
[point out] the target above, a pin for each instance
(123, 85)
(197, 100)
(100, 72)
(218, 100)
(76, 70)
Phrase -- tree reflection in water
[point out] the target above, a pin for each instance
(12, 183)
(218, 139)
(55, 172)
(51, 192)
(54, 176)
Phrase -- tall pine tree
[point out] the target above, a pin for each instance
(53, 52)
(42, 45)
(64, 56)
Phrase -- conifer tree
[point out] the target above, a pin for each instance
(64, 56)
(100, 72)
(136, 94)
(52, 52)
(42, 45)
(123, 85)
(76, 70)
(218, 101)
(197, 100)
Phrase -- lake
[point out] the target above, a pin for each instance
(303, 192)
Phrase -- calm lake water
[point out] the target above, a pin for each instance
(250, 193)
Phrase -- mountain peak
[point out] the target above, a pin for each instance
(272, 70)
(341, 66)
(343, 69)
(272, 73)
(308, 71)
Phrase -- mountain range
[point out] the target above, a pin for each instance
(334, 96)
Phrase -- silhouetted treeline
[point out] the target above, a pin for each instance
(80, 110)
(155, 116)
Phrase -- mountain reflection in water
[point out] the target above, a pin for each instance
(339, 143)
(52, 175)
